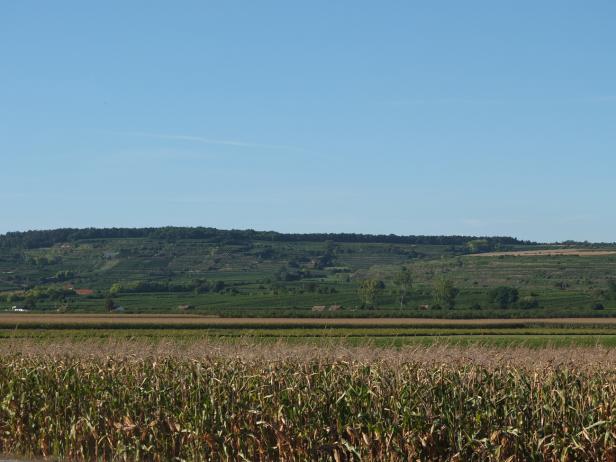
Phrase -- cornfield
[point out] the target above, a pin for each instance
(309, 405)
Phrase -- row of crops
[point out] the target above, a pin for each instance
(222, 407)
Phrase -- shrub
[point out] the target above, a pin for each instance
(503, 296)
(528, 303)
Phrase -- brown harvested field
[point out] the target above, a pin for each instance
(549, 252)
(9, 320)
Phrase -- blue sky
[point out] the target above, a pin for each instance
(447, 117)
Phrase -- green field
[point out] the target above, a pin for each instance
(389, 332)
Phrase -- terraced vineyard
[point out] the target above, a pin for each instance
(256, 274)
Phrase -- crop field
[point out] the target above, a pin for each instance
(185, 387)
(134, 399)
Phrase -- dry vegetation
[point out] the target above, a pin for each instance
(200, 400)
(437, 354)
(549, 252)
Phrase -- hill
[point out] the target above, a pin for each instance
(266, 273)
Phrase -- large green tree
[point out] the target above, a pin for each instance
(369, 291)
(403, 280)
(445, 293)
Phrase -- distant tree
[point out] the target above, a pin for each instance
(503, 296)
(109, 304)
(282, 274)
(201, 286)
(611, 288)
(403, 280)
(64, 275)
(479, 245)
(327, 259)
(40, 239)
(10, 298)
(285, 275)
(30, 303)
(369, 291)
(445, 293)
(529, 302)
(330, 246)
(562, 285)
(115, 289)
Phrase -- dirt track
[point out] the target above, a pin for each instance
(8, 320)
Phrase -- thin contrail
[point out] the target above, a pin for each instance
(200, 139)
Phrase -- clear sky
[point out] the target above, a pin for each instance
(406, 117)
